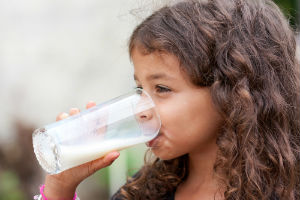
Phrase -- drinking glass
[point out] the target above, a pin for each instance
(119, 123)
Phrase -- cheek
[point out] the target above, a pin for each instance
(189, 125)
(172, 114)
(202, 124)
(179, 114)
(177, 122)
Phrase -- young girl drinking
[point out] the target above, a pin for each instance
(225, 80)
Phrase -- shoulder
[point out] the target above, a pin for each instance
(169, 196)
(117, 195)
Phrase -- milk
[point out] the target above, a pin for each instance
(120, 123)
(73, 155)
(62, 147)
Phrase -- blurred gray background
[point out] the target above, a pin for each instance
(55, 55)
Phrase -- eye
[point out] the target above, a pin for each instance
(162, 89)
(138, 87)
(158, 89)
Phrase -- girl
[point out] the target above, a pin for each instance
(225, 79)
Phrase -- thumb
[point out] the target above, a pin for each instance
(102, 162)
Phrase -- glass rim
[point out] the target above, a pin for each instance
(155, 106)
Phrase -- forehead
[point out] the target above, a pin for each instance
(157, 65)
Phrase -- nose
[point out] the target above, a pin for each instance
(145, 115)
(147, 121)
(144, 107)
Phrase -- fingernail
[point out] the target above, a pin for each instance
(64, 115)
(115, 155)
(91, 103)
(111, 157)
(73, 111)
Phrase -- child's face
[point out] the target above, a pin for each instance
(190, 123)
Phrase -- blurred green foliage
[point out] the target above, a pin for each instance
(291, 10)
(10, 187)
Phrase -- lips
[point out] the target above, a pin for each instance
(153, 142)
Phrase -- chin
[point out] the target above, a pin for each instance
(164, 155)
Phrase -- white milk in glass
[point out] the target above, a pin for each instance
(76, 153)
(117, 124)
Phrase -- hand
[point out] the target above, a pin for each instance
(63, 185)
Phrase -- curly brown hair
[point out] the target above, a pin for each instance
(244, 50)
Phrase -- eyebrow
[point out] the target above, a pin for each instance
(155, 77)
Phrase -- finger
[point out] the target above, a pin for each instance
(90, 104)
(62, 116)
(110, 157)
(102, 162)
(74, 111)
(102, 122)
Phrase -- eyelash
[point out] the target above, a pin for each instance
(158, 88)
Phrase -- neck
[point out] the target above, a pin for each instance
(201, 163)
(201, 180)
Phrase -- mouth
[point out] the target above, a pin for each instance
(154, 141)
